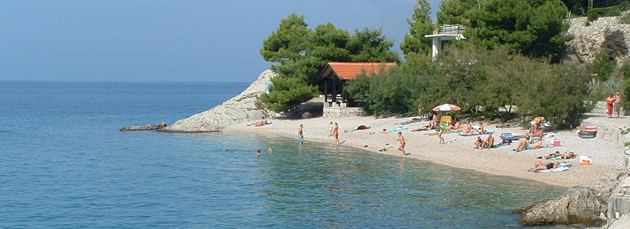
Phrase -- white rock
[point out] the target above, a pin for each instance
(240, 108)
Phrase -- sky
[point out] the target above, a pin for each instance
(166, 40)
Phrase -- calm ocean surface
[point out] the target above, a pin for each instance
(65, 164)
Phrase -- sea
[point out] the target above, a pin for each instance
(65, 164)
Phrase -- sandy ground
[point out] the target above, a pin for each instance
(458, 151)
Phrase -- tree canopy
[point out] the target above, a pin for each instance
(299, 53)
(457, 11)
(534, 28)
(420, 24)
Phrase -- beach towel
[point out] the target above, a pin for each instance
(399, 128)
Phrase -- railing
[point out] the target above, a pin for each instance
(452, 29)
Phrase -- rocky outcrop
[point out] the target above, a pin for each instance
(145, 127)
(579, 205)
(243, 107)
(587, 39)
(621, 223)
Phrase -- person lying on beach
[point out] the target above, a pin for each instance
(402, 142)
(261, 123)
(456, 125)
(539, 165)
(479, 143)
(424, 128)
(538, 144)
(385, 131)
(522, 144)
(557, 154)
(489, 142)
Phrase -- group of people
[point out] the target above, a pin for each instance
(529, 143)
(333, 129)
(487, 144)
(613, 103)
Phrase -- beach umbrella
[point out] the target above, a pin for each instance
(446, 107)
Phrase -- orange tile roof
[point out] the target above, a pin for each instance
(350, 71)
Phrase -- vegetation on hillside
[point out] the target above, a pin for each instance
(481, 81)
(510, 59)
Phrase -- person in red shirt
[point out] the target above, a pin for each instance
(610, 101)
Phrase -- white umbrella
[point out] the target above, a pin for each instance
(446, 107)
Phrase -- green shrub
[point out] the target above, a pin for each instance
(625, 19)
(595, 13)
(471, 76)
(602, 66)
(287, 92)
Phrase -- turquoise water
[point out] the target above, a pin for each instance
(65, 164)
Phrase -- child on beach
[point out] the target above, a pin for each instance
(335, 133)
(301, 135)
(440, 136)
(479, 143)
(401, 141)
(330, 129)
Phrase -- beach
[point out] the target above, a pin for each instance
(458, 150)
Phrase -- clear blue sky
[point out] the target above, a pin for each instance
(165, 40)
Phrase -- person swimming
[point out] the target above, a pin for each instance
(259, 153)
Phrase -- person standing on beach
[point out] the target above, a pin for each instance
(617, 104)
(440, 136)
(336, 133)
(301, 135)
(610, 101)
(401, 140)
(330, 129)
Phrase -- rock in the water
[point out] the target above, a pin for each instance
(243, 107)
(145, 127)
(579, 205)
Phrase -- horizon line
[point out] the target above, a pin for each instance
(118, 81)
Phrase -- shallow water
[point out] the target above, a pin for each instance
(65, 164)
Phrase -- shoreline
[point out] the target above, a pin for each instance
(458, 151)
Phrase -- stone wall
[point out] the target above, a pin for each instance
(340, 112)
(587, 40)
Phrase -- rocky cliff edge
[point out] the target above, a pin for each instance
(241, 108)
